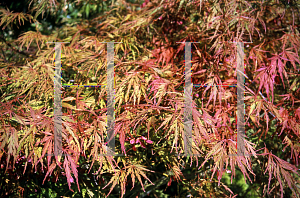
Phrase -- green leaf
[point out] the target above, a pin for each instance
(87, 10)
(90, 193)
(180, 5)
(83, 192)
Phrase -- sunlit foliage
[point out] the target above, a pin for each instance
(149, 96)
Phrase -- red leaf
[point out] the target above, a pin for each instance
(142, 144)
(132, 141)
(143, 138)
(133, 147)
(170, 181)
(50, 170)
(122, 137)
(149, 141)
(74, 169)
(277, 80)
(68, 173)
(261, 69)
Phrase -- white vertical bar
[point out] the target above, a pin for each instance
(188, 98)
(110, 99)
(57, 103)
(57, 114)
(240, 100)
(188, 89)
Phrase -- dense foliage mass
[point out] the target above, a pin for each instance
(149, 97)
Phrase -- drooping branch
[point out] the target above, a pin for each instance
(16, 50)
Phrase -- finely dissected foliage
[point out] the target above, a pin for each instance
(149, 96)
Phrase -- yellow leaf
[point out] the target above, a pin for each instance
(68, 106)
(73, 135)
(253, 118)
(127, 17)
(252, 108)
(198, 52)
(110, 35)
(66, 118)
(68, 99)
